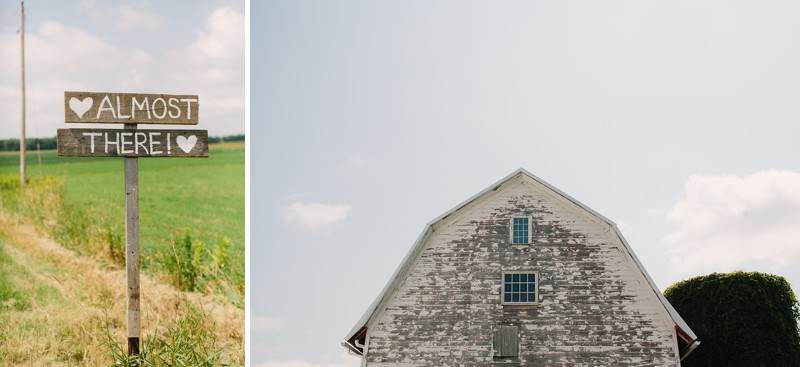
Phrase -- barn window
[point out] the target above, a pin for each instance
(520, 230)
(520, 288)
(506, 341)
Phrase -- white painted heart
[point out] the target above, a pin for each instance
(80, 107)
(186, 143)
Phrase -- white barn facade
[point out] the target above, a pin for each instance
(521, 274)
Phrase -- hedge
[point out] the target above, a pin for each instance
(741, 318)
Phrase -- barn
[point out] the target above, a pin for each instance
(521, 274)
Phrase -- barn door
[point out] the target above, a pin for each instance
(506, 341)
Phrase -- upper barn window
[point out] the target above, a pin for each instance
(520, 230)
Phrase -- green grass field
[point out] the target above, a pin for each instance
(194, 206)
(62, 258)
(202, 195)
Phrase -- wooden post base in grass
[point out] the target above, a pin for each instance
(133, 346)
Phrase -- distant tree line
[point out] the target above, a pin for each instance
(220, 139)
(12, 145)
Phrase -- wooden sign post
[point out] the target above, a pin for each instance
(131, 143)
(133, 324)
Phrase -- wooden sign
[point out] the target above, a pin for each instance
(130, 108)
(132, 143)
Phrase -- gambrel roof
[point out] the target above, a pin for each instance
(358, 332)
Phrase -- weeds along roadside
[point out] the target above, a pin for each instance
(188, 342)
(188, 264)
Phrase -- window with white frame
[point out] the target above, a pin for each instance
(520, 288)
(520, 230)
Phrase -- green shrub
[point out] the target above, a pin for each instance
(43, 199)
(11, 298)
(9, 192)
(116, 245)
(220, 258)
(188, 263)
(75, 229)
(39, 201)
(189, 341)
(192, 265)
(741, 318)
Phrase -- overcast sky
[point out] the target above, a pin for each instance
(676, 119)
(169, 47)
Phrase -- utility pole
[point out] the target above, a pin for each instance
(22, 61)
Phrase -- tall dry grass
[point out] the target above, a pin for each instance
(68, 302)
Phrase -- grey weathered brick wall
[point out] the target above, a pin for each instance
(595, 307)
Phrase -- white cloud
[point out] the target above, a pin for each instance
(60, 57)
(68, 50)
(315, 216)
(732, 222)
(124, 17)
(222, 35)
(213, 66)
(266, 323)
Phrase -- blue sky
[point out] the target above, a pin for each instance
(123, 46)
(677, 120)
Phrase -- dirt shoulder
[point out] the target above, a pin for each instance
(71, 297)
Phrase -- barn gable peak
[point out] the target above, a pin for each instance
(355, 339)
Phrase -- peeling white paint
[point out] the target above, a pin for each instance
(595, 305)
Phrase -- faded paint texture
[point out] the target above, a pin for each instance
(596, 308)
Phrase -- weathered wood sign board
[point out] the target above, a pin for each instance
(130, 108)
(132, 143)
